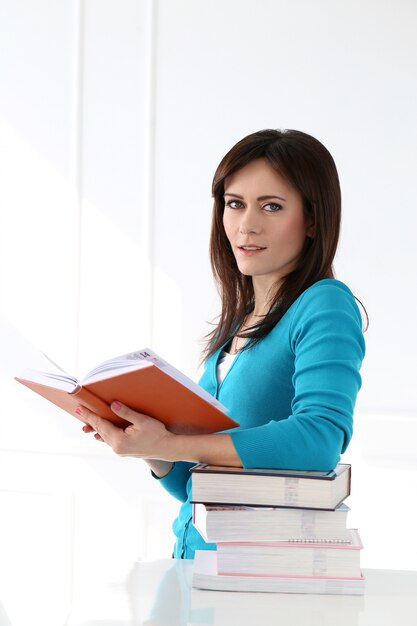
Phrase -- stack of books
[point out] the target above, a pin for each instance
(275, 530)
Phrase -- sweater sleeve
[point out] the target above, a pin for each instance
(327, 342)
(175, 482)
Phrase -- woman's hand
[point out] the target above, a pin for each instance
(145, 438)
(148, 439)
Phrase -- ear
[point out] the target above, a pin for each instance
(311, 231)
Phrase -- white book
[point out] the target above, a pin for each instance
(250, 523)
(205, 576)
(286, 558)
(212, 484)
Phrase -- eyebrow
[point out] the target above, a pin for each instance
(267, 197)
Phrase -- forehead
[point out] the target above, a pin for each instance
(258, 176)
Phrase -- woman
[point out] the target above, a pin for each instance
(286, 353)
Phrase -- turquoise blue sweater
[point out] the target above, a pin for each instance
(293, 395)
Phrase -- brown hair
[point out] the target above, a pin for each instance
(309, 167)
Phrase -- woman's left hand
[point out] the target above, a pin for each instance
(145, 438)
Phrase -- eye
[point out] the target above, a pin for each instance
(272, 207)
(234, 204)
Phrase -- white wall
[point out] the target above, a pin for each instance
(113, 119)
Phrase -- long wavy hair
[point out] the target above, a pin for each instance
(309, 167)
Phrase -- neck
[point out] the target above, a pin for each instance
(264, 293)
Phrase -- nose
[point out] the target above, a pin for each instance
(249, 222)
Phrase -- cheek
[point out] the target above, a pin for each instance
(297, 231)
(227, 224)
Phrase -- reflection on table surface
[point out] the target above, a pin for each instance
(159, 593)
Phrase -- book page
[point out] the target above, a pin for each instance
(132, 360)
(51, 379)
(183, 379)
(145, 358)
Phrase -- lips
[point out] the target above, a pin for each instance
(250, 250)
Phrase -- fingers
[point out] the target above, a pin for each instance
(103, 427)
(123, 411)
(87, 429)
(143, 437)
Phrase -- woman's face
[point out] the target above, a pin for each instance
(264, 222)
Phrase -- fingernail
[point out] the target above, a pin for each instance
(78, 411)
(116, 405)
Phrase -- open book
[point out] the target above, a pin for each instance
(142, 381)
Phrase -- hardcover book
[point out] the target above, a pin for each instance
(286, 558)
(269, 487)
(141, 380)
(251, 523)
(205, 576)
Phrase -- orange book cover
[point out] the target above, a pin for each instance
(144, 382)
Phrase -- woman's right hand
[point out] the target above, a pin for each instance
(159, 467)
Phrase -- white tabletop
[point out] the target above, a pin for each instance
(159, 593)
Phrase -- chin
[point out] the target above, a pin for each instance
(246, 272)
